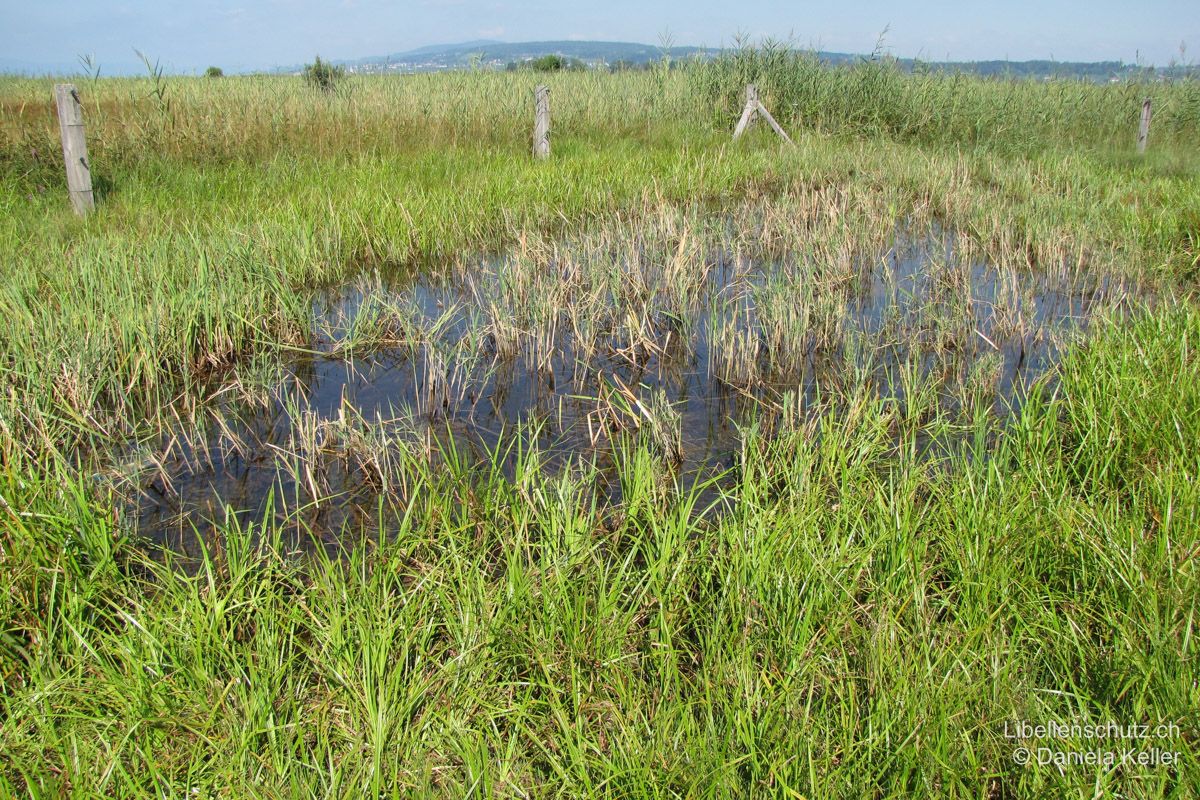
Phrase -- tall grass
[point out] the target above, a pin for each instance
(876, 97)
(256, 117)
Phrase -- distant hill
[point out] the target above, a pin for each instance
(489, 54)
(494, 54)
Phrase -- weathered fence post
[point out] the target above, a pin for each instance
(541, 122)
(1144, 127)
(74, 144)
(749, 113)
(753, 110)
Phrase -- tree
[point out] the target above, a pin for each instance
(214, 72)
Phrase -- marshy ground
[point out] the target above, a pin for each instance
(679, 331)
(346, 450)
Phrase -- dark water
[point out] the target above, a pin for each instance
(290, 446)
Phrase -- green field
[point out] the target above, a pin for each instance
(879, 586)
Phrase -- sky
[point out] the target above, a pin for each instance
(189, 35)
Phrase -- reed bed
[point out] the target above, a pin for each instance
(876, 97)
(257, 117)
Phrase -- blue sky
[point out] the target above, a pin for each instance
(189, 35)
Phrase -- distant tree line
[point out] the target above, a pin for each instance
(1099, 70)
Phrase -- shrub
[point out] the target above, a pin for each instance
(214, 72)
(323, 75)
(549, 63)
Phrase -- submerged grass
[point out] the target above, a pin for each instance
(856, 612)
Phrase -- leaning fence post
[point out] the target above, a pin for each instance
(74, 144)
(541, 122)
(749, 113)
(755, 109)
(1144, 127)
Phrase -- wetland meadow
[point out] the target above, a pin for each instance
(348, 450)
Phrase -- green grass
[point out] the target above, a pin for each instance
(848, 618)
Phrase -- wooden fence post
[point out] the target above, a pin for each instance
(749, 113)
(1144, 127)
(755, 109)
(74, 144)
(541, 122)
